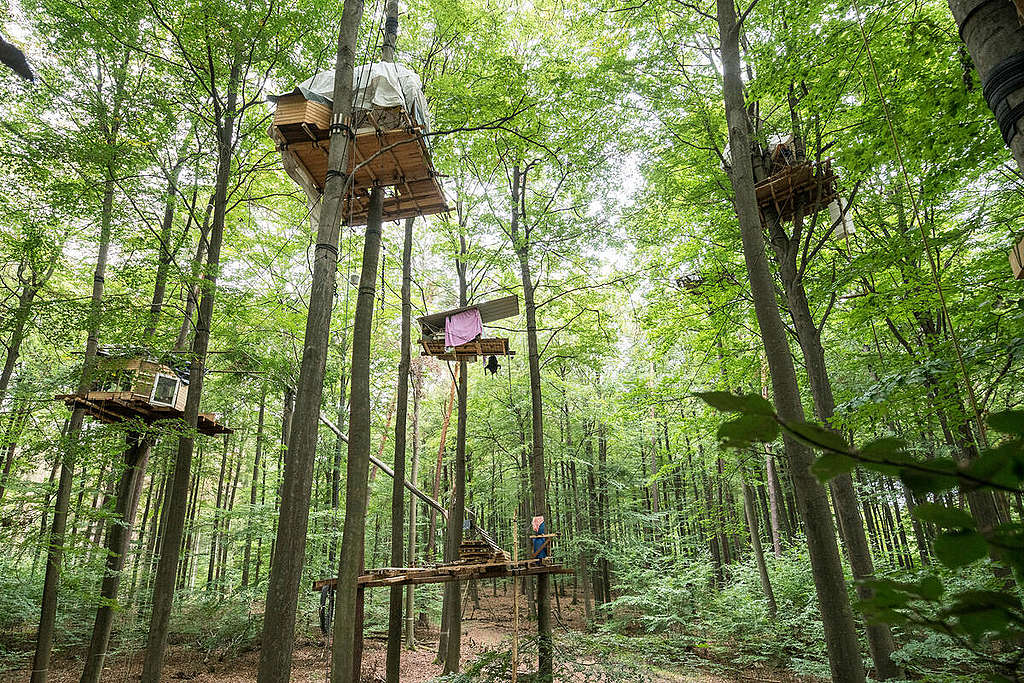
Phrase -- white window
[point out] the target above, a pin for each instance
(165, 389)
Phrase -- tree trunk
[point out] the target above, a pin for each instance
(166, 253)
(348, 622)
(452, 606)
(995, 41)
(394, 652)
(773, 503)
(755, 542)
(56, 541)
(521, 244)
(410, 600)
(847, 511)
(456, 515)
(432, 530)
(215, 533)
(247, 557)
(119, 534)
(195, 278)
(837, 618)
(290, 546)
(20, 319)
(163, 590)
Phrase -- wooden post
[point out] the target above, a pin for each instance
(515, 604)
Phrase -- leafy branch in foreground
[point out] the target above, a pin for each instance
(989, 622)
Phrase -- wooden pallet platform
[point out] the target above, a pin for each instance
(120, 406)
(806, 186)
(498, 346)
(390, 152)
(401, 576)
(474, 551)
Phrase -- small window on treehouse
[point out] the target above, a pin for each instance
(165, 389)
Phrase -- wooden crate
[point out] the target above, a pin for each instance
(389, 152)
(298, 119)
(1017, 261)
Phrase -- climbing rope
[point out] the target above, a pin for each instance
(936, 280)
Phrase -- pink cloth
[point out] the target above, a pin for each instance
(463, 327)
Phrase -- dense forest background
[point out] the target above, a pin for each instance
(590, 140)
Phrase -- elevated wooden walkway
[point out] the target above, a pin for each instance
(459, 571)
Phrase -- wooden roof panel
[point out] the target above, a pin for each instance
(495, 309)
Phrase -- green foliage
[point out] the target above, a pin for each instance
(974, 616)
(575, 660)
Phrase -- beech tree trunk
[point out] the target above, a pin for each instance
(755, 543)
(119, 534)
(348, 623)
(163, 589)
(410, 599)
(290, 546)
(995, 41)
(57, 541)
(253, 486)
(787, 249)
(521, 244)
(837, 617)
(394, 653)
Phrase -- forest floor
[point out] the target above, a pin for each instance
(484, 627)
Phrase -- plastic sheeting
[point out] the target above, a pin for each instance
(380, 84)
(842, 219)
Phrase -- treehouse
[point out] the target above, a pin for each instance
(127, 387)
(390, 151)
(795, 184)
(458, 334)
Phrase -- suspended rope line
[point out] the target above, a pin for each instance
(982, 437)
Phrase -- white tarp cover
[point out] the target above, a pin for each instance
(842, 218)
(380, 84)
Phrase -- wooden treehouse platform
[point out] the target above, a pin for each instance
(803, 186)
(495, 346)
(432, 331)
(389, 151)
(121, 406)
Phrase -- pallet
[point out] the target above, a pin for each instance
(390, 152)
(498, 346)
(478, 551)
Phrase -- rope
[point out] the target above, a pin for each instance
(982, 436)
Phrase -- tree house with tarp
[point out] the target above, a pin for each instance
(457, 334)
(389, 127)
(133, 387)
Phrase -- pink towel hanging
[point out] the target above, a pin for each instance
(462, 327)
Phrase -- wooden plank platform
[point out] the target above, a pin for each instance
(402, 576)
(807, 186)
(390, 152)
(119, 406)
(498, 346)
